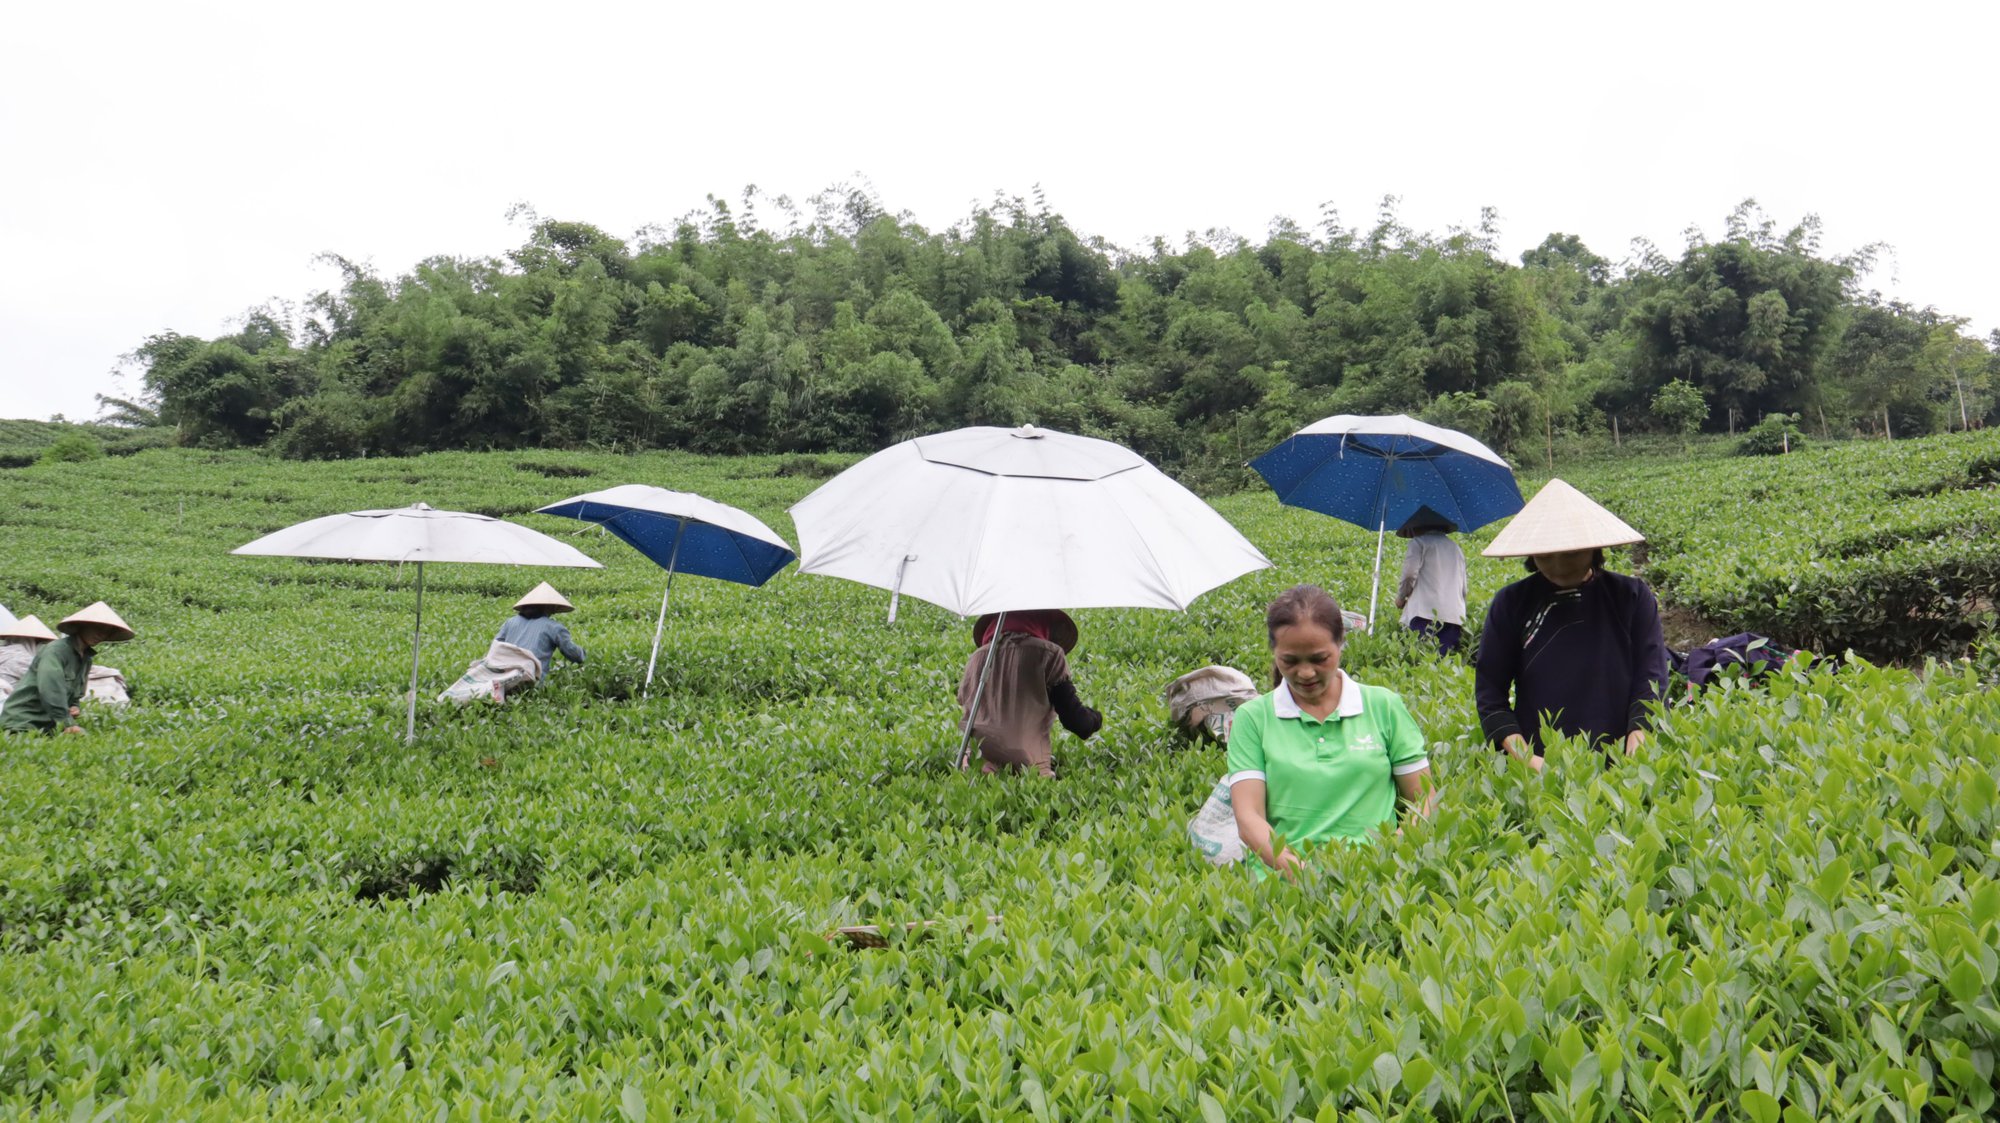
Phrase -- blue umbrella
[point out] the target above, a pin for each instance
(682, 532)
(1376, 472)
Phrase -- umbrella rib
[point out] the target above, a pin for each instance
(979, 540)
(1145, 542)
(736, 543)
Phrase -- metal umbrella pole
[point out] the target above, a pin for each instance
(979, 691)
(1375, 592)
(416, 650)
(660, 624)
(1381, 528)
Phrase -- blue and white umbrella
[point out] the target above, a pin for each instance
(682, 532)
(1376, 472)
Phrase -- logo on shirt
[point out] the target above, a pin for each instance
(1363, 743)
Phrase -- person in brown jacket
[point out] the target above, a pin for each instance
(1028, 689)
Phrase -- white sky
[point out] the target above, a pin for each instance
(168, 165)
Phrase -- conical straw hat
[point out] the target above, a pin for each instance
(1557, 519)
(544, 595)
(101, 615)
(29, 628)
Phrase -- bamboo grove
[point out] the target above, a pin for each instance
(770, 326)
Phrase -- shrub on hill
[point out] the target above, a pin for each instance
(71, 448)
(1777, 433)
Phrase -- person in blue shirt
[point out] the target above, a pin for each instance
(533, 627)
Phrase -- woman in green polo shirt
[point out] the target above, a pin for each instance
(1321, 757)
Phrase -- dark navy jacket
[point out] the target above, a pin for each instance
(1585, 661)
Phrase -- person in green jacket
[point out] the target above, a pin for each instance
(49, 695)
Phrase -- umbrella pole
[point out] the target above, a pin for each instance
(896, 592)
(1375, 595)
(978, 692)
(659, 625)
(416, 649)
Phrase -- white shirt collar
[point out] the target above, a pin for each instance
(1350, 700)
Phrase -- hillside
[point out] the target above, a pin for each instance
(244, 896)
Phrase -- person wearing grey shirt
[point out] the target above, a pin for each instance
(1433, 589)
(533, 627)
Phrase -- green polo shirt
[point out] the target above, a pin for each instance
(1327, 779)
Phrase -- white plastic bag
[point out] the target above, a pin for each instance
(1213, 828)
(107, 685)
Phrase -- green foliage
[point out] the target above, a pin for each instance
(71, 448)
(22, 442)
(1885, 549)
(770, 326)
(1746, 319)
(1680, 407)
(244, 897)
(1776, 434)
(126, 413)
(1466, 412)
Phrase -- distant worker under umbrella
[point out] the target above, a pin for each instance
(19, 640)
(1375, 472)
(421, 534)
(1433, 589)
(50, 693)
(1572, 649)
(1012, 709)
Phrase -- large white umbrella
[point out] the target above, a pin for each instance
(418, 534)
(987, 519)
(682, 532)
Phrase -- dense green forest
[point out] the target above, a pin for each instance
(841, 326)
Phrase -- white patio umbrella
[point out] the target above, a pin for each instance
(419, 534)
(684, 532)
(987, 519)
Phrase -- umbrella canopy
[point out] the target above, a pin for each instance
(987, 519)
(417, 533)
(1377, 472)
(682, 532)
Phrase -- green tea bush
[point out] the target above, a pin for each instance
(245, 897)
(1776, 434)
(71, 448)
(1884, 548)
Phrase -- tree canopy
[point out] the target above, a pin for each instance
(846, 327)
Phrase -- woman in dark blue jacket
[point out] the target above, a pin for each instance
(1572, 649)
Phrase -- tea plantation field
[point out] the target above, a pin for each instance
(246, 898)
